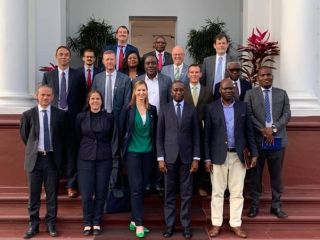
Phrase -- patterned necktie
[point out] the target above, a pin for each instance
(46, 134)
(218, 75)
(194, 93)
(267, 106)
(177, 74)
(109, 95)
(89, 79)
(121, 57)
(63, 92)
(179, 114)
(236, 90)
(159, 62)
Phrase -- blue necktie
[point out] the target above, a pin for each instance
(218, 75)
(46, 134)
(179, 114)
(267, 106)
(63, 92)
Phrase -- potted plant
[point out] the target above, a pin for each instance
(258, 52)
(200, 42)
(96, 34)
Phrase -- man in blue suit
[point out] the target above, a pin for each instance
(122, 46)
(178, 152)
(178, 70)
(114, 85)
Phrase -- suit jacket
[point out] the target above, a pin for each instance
(121, 92)
(95, 72)
(77, 90)
(209, 70)
(164, 87)
(168, 70)
(173, 140)
(30, 131)
(95, 146)
(244, 86)
(166, 56)
(126, 126)
(215, 132)
(205, 97)
(280, 112)
(114, 47)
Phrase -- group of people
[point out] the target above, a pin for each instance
(164, 122)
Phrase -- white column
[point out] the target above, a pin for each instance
(14, 92)
(299, 57)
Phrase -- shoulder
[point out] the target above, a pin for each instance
(245, 82)
(100, 75)
(131, 47)
(166, 68)
(209, 59)
(164, 78)
(123, 76)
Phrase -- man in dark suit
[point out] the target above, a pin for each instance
(164, 58)
(114, 85)
(198, 96)
(159, 94)
(270, 113)
(241, 85)
(228, 130)
(178, 151)
(42, 130)
(88, 70)
(213, 67)
(122, 46)
(70, 90)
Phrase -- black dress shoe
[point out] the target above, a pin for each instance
(168, 232)
(51, 229)
(253, 212)
(96, 232)
(186, 232)
(279, 213)
(31, 232)
(86, 232)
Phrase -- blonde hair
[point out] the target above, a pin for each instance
(134, 98)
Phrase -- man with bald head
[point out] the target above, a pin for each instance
(178, 70)
(227, 131)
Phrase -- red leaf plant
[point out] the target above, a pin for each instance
(258, 52)
(49, 68)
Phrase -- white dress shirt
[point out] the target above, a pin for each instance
(153, 91)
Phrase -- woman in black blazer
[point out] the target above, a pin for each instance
(95, 133)
(137, 137)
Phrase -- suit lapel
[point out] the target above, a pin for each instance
(201, 95)
(236, 114)
(172, 112)
(36, 120)
(70, 78)
(221, 113)
(56, 83)
(183, 71)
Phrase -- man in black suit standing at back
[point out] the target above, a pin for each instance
(69, 89)
(241, 86)
(178, 152)
(42, 130)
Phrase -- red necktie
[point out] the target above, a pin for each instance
(121, 57)
(159, 62)
(89, 79)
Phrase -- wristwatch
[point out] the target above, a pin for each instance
(274, 129)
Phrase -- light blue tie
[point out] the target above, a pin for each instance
(218, 75)
(267, 106)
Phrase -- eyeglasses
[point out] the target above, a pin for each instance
(234, 69)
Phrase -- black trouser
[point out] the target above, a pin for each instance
(274, 160)
(93, 179)
(139, 168)
(178, 172)
(46, 172)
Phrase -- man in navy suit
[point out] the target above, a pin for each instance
(122, 46)
(70, 90)
(88, 70)
(178, 152)
(241, 85)
(42, 129)
(113, 85)
(227, 131)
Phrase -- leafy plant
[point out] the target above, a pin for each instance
(258, 52)
(200, 42)
(96, 34)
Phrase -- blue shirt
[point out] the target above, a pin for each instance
(229, 118)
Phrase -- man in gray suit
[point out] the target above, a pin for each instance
(42, 130)
(178, 70)
(178, 151)
(270, 113)
(214, 67)
(114, 86)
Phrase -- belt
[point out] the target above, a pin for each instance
(231, 149)
(44, 153)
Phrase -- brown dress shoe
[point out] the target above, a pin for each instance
(214, 231)
(238, 232)
(72, 193)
